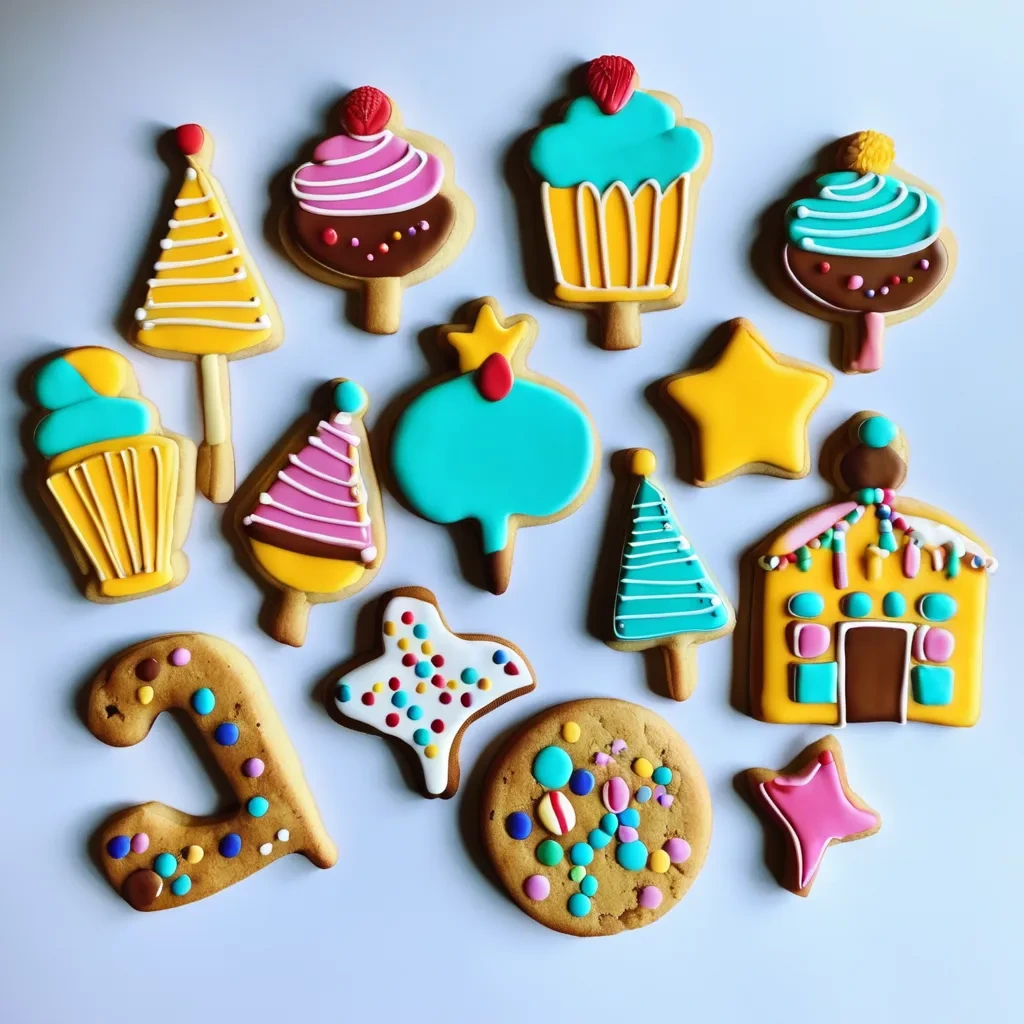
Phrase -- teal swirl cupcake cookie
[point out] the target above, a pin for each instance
(868, 246)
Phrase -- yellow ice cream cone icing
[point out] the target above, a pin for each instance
(308, 573)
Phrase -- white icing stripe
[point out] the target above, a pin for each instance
(285, 478)
(213, 304)
(171, 243)
(667, 561)
(665, 536)
(715, 602)
(384, 136)
(933, 533)
(317, 443)
(647, 504)
(343, 434)
(173, 264)
(805, 212)
(195, 201)
(336, 541)
(829, 191)
(181, 321)
(345, 524)
(699, 595)
(194, 222)
(661, 583)
(170, 282)
(662, 551)
(410, 155)
(296, 461)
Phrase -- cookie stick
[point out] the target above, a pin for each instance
(158, 857)
(209, 303)
(665, 596)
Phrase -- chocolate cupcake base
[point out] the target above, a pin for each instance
(379, 245)
(865, 284)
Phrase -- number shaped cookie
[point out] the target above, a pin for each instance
(158, 857)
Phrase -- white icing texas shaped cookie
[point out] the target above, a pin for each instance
(430, 683)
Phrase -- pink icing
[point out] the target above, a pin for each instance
(678, 850)
(359, 176)
(870, 357)
(810, 639)
(813, 525)
(615, 794)
(815, 809)
(537, 887)
(932, 643)
(650, 897)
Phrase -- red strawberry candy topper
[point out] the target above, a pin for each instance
(611, 81)
(365, 111)
(190, 138)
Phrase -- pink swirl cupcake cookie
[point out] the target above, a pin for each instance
(376, 209)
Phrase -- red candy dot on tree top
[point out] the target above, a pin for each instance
(366, 111)
(611, 81)
(190, 138)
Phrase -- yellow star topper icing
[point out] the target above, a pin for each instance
(490, 334)
(749, 411)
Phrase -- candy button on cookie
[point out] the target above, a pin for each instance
(639, 857)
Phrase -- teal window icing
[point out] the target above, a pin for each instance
(806, 605)
(857, 605)
(936, 607)
(894, 604)
(815, 684)
(933, 684)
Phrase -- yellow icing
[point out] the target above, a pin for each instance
(868, 153)
(196, 338)
(486, 338)
(105, 371)
(308, 573)
(750, 408)
(771, 657)
(118, 500)
(616, 247)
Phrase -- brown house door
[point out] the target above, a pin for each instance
(876, 662)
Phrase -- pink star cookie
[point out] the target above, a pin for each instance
(812, 801)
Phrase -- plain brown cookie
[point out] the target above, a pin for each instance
(547, 811)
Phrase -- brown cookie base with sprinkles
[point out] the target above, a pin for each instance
(596, 817)
(384, 245)
(158, 857)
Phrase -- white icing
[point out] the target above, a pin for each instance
(458, 654)
(262, 323)
(169, 282)
(205, 198)
(181, 243)
(174, 264)
(194, 222)
(844, 628)
(933, 534)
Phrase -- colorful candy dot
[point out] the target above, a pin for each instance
(577, 873)
(642, 795)
(203, 701)
(884, 290)
(140, 842)
(630, 816)
(571, 732)
(581, 782)
(588, 886)
(552, 767)
(179, 656)
(421, 737)
(226, 734)
(609, 823)
(423, 669)
(394, 683)
(430, 750)
(354, 242)
(499, 657)
(119, 847)
(252, 768)
(662, 775)
(824, 267)
(230, 845)
(484, 684)
(283, 835)
(165, 864)
(910, 280)
(854, 281)
(631, 856)
(403, 645)
(391, 720)
(678, 850)
(549, 853)
(627, 834)
(266, 849)
(144, 694)
(894, 279)
(870, 293)
(258, 806)
(437, 725)
(377, 687)
(427, 648)
(330, 236)
(650, 897)
(643, 767)
(659, 862)
(923, 264)
(424, 225)
(420, 631)
(383, 247)
(181, 885)
(467, 700)
(344, 693)
(439, 681)
(415, 712)
(412, 231)
(445, 698)
(193, 854)
(408, 618)
(400, 699)
(396, 235)
(536, 887)
(599, 839)
(437, 660)
(367, 698)
(581, 853)
(469, 676)
(518, 825)
(579, 905)
(389, 628)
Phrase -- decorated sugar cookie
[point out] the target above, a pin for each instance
(494, 442)
(810, 802)
(119, 485)
(158, 857)
(596, 817)
(207, 301)
(377, 209)
(665, 596)
(867, 246)
(429, 684)
(619, 180)
(316, 531)
(871, 608)
(749, 411)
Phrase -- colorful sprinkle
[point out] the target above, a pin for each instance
(923, 264)
(226, 734)
(445, 698)
(383, 247)
(252, 767)
(556, 813)
(650, 897)
(678, 850)
(630, 816)
(601, 758)
(609, 823)
(549, 853)
(421, 737)
(631, 856)
(258, 806)
(203, 701)
(615, 794)
(536, 887)
(469, 676)
(179, 656)
(579, 905)
(518, 825)
(824, 267)
(140, 842)
(854, 281)
(581, 853)
(570, 732)
(119, 847)
(666, 800)
(147, 670)
(499, 657)
(144, 694)
(588, 886)
(420, 631)
(577, 873)
(437, 725)
(400, 699)
(329, 236)
(369, 257)
(344, 693)
(354, 242)
(662, 775)
(642, 795)
(599, 839)
(193, 854)
(396, 235)
(367, 699)
(430, 750)
(627, 834)
(415, 712)
(165, 864)
(870, 293)
(894, 279)
(552, 767)
(181, 885)
(283, 835)
(230, 845)
(643, 768)
(581, 782)
(618, 746)
(412, 231)
(424, 225)
(467, 700)
(659, 862)
(266, 849)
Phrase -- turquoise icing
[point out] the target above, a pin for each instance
(937, 607)
(639, 142)
(877, 432)
(663, 587)
(806, 605)
(58, 384)
(857, 605)
(631, 856)
(349, 397)
(894, 604)
(864, 215)
(552, 767)
(458, 456)
(95, 419)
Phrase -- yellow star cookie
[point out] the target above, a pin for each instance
(487, 337)
(749, 411)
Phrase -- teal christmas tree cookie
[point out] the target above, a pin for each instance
(494, 443)
(664, 596)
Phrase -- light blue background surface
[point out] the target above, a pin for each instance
(922, 922)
